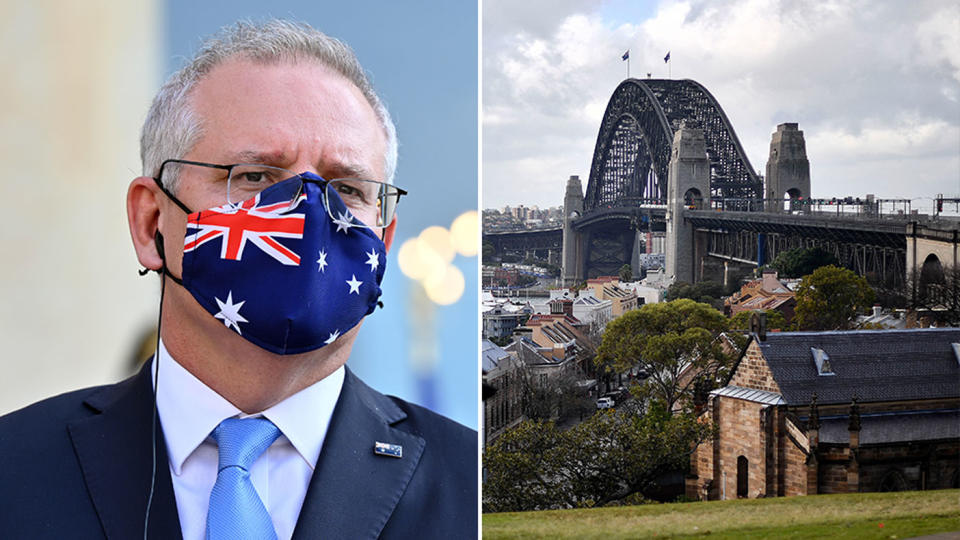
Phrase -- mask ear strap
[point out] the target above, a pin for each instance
(158, 238)
(158, 242)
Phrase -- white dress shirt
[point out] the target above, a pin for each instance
(189, 411)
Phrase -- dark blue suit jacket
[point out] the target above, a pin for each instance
(79, 466)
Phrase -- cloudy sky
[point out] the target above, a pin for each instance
(874, 85)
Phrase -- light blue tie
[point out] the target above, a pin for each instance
(236, 510)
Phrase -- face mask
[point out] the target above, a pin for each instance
(286, 277)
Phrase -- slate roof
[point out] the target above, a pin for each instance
(873, 365)
(492, 355)
(590, 300)
(890, 428)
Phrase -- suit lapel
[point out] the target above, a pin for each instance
(354, 490)
(113, 448)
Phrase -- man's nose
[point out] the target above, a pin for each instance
(305, 166)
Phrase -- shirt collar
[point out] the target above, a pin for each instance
(189, 410)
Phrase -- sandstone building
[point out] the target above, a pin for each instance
(835, 412)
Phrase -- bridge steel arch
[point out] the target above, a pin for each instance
(633, 145)
(629, 171)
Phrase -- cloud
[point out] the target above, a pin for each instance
(869, 83)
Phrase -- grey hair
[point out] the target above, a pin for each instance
(172, 128)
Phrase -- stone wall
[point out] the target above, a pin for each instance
(753, 372)
(741, 434)
(833, 463)
(794, 463)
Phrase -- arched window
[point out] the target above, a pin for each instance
(743, 475)
(793, 200)
(931, 275)
(893, 481)
(693, 199)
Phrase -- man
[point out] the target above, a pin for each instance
(267, 163)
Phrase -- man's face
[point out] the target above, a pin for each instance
(299, 116)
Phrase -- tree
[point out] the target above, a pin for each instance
(521, 469)
(799, 262)
(664, 340)
(608, 457)
(741, 321)
(548, 396)
(830, 298)
(488, 253)
(626, 273)
(707, 292)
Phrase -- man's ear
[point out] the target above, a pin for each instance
(388, 232)
(143, 217)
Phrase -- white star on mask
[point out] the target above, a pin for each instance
(354, 284)
(372, 260)
(344, 221)
(333, 336)
(230, 312)
(322, 261)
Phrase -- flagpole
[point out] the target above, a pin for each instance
(628, 67)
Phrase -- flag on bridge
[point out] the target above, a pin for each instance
(666, 58)
(626, 55)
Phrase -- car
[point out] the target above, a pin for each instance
(605, 403)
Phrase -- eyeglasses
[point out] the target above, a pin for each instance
(372, 203)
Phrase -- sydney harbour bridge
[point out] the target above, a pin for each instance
(668, 164)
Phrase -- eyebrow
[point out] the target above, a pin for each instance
(278, 159)
(350, 170)
(255, 156)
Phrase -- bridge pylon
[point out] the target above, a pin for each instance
(572, 242)
(788, 170)
(688, 186)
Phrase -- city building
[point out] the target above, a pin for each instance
(834, 412)
(500, 321)
(503, 410)
(879, 318)
(766, 293)
(608, 288)
(558, 342)
(501, 316)
(593, 312)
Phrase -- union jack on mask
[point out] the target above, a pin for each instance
(286, 277)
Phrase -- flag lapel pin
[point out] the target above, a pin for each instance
(387, 449)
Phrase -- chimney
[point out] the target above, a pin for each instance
(877, 310)
(758, 325)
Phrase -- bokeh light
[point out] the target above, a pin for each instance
(444, 287)
(428, 258)
(437, 239)
(463, 233)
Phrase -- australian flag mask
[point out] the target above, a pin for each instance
(284, 275)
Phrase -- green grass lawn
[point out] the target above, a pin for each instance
(858, 515)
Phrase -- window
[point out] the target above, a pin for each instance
(743, 475)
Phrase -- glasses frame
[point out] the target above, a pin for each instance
(323, 183)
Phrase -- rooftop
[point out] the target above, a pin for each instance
(871, 365)
(493, 355)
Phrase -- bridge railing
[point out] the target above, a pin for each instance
(845, 207)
